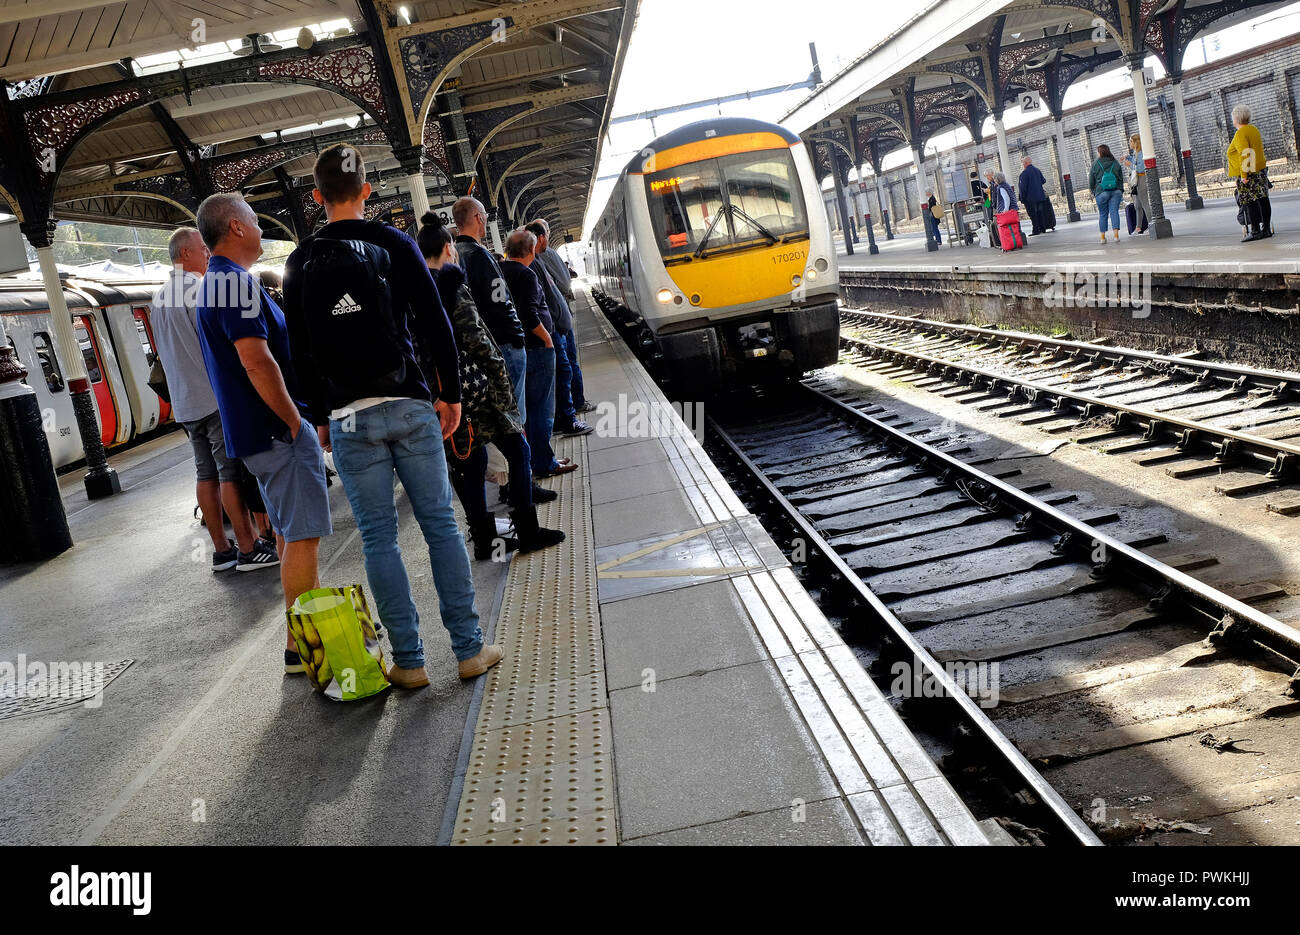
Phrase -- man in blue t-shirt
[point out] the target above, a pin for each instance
(246, 352)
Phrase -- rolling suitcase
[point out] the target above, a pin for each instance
(1009, 230)
(1047, 220)
(1131, 216)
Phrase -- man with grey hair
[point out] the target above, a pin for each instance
(559, 272)
(539, 385)
(246, 349)
(194, 406)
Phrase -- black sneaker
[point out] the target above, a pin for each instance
(542, 495)
(293, 663)
(261, 557)
(226, 559)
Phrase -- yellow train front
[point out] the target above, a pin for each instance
(715, 253)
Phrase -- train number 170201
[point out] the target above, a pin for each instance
(792, 256)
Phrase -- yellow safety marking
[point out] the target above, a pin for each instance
(657, 546)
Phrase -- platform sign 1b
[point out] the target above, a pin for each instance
(1149, 76)
(1031, 102)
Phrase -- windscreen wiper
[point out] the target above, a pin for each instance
(722, 210)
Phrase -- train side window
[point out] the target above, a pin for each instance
(88, 353)
(144, 329)
(49, 363)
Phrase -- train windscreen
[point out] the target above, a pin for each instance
(729, 202)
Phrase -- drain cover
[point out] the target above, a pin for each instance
(54, 686)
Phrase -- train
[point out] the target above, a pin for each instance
(115, 338)
(715, 258)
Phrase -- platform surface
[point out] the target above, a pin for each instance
(1204, 241)
(667, 679)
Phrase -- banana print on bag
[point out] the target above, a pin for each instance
(336, 634)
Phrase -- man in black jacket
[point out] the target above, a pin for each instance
(566, 415)
(526, 290)
(355, 294)
(495, 305)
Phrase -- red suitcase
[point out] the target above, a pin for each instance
(1009, 230)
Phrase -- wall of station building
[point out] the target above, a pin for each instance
(1266, 79)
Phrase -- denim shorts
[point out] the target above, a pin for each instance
(209, 443)
(291, 476)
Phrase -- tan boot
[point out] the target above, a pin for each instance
(487, 657)
(1103, 236)
(408, 678)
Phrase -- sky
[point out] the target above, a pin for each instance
(689, 50)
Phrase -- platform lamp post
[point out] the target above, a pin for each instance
(1194, 200)
(100, 480)
(1063, 156)
(31, 510)
(1160, 226)
(837, 165)
(866, 219)
(884, 207)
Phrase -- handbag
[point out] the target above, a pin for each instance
(337, 643)
(936, 211)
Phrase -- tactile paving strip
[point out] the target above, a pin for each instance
(541, 767)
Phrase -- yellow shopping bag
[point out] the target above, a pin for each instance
(336, 640)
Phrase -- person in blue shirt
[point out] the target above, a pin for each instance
(246, 352)
(1033, 195)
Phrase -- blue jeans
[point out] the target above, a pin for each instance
(565, 414)
(404, 436)
(540, 418)
(1108, 204)
(571, 348)
(516, 359)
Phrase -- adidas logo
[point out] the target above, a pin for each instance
(346, 306)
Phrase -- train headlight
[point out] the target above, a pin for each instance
(665, 296)
(810, 274)
(821, 264)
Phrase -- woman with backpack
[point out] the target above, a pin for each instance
(490, 411)
(1106, 182)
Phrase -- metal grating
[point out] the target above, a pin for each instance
(541, 769)
(77, 692)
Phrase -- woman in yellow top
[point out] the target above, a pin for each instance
(1248, 165)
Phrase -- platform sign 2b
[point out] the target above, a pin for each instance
(1031, 102)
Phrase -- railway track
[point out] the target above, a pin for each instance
(1024, 629)
(1196, 419)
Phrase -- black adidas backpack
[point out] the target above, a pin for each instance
(347, 306)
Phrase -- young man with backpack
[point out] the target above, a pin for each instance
(357, 296)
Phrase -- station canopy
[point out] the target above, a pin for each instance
(958, 62)
(132, 112)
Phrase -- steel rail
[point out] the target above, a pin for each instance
(1234, 617)
(1229, 443)
(1073, 824)
(1278, 381)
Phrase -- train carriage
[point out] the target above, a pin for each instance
(714, 247)
(115, 338)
